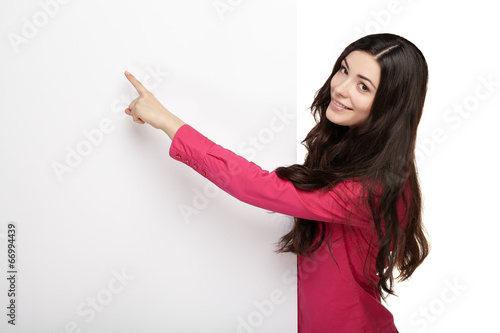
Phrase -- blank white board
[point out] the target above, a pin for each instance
(112, 235)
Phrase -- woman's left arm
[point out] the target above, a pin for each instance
(249, 183)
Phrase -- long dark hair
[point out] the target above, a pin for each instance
(380, 152)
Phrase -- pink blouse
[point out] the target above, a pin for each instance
(333, 295)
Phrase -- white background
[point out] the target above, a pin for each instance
(455, 288)
(228, 74)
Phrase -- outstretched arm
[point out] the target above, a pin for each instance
(242, 179)
(251, 184)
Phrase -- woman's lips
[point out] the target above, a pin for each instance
(339, 106)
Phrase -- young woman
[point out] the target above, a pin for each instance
(356, 199)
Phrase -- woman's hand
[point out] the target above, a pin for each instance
(147, 109)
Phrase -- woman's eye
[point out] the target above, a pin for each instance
(343, 70)
(363, 87)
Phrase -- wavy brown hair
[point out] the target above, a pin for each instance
(380, 151)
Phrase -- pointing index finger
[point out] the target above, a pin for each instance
(137, 85)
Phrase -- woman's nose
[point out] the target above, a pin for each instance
(342, 88)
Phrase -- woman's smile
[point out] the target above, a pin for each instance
(340, 107)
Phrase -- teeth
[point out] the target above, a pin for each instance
(342, 106)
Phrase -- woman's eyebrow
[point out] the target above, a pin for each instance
(359, 75)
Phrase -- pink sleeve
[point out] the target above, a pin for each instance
(247, 182)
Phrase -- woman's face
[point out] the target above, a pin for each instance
(353, 89)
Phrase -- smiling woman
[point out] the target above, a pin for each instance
(356, 198)
(367, 142)
(353, 89)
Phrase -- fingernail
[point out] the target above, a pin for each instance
(127, 73)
